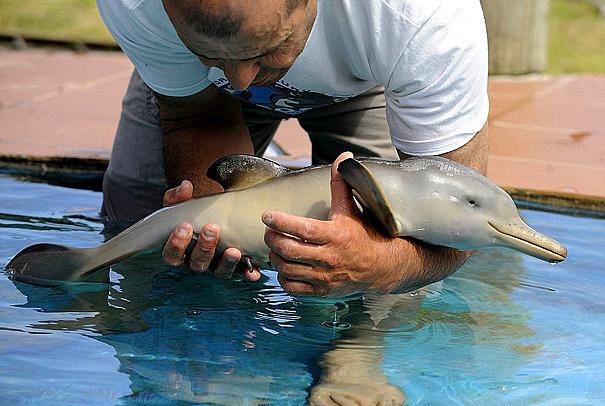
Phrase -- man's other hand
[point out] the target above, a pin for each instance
(338, 257)
(175, 249)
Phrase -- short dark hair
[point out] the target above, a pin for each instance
(218, 25)
(213, 25)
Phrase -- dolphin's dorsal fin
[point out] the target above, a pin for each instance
(361, 179)
(242, 171)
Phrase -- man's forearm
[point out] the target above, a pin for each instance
(198, 130)
(194, 139)
(473, 154)
(189, 152)
(427, 264)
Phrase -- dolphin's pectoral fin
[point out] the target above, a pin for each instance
(370, 193)
(243, 171)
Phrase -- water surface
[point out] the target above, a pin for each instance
(506, 329)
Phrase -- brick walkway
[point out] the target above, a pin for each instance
(546, 133)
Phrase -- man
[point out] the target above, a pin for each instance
(215, 77)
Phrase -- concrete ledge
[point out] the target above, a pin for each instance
(593, 206)
(60, 171)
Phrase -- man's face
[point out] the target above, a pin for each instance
(268, 43)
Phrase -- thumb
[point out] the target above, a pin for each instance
(178, 194)
(342, 197)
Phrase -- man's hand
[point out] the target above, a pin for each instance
(341, 256)
(204, 250)
(346, 255)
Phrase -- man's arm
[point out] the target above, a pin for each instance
(472, 154)
(198, 130)
(346, 255)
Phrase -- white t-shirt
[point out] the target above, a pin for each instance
(430, 55)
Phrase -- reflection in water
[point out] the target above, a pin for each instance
(186, 337)
(157, 335)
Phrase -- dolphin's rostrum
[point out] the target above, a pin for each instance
(428, 198)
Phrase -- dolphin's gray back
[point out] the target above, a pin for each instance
(413, 165)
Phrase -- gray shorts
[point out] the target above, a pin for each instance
(135, 182)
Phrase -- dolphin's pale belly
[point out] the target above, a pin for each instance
(238, 214)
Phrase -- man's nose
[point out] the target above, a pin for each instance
(241, 74)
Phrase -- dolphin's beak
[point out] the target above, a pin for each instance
(519, 236)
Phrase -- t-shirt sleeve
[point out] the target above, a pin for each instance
(437, 94)
(144, 32)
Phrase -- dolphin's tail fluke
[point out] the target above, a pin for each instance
(51, 264)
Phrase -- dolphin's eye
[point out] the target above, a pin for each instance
(473, 203)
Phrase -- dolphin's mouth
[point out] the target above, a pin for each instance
(519, 236)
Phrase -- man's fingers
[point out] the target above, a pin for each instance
(205, 248)
(297, 288)
(178, 194)
(251, 274)
(292, 249)
(204, 251)
(228, 263)
(296, 272)
(307, 229)
(176, 245)
(342, 197)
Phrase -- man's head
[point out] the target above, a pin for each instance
(253, 42)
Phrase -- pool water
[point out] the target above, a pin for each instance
(506, 329)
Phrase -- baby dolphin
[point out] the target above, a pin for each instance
(428, 198)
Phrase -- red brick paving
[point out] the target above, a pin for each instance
(58, 103)
(546, 133)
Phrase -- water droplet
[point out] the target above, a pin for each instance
(193, 312)
(335, 324)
